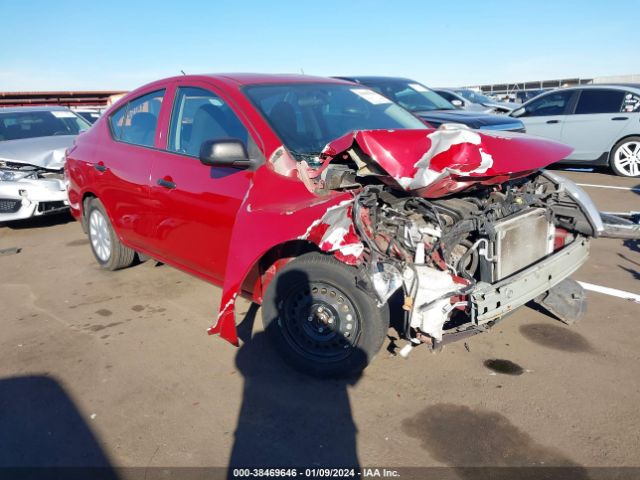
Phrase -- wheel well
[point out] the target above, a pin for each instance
(617, 142)
(85, 199)
(271, 262)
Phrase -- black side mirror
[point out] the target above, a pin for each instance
(229, 152)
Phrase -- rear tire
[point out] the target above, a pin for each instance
(110, 253)
(625, 157)
(319, 320)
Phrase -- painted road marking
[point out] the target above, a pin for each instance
(611, 291)
(630, 189)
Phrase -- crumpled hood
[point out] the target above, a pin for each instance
(45, 152)
(435, 163)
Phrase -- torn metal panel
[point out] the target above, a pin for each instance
(335, 233)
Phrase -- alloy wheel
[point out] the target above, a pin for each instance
(627, 158)
(99, 235)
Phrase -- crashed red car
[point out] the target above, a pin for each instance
(334, 208)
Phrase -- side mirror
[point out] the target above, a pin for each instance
(457, 103)
(229, 152)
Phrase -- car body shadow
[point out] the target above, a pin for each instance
(289, 419)
(40, 222)
(43, 434)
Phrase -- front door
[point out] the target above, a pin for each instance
(545, 116)
(195, 205)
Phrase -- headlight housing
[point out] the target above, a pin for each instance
(13, 175)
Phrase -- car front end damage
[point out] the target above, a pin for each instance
(462, 227)
(31, 177)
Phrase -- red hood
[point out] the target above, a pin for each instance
(435, 163)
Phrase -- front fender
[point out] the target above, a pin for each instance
(277, 209)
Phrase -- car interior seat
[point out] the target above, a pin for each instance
(142, 130)
(283, 117)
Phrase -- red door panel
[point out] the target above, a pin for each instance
(194, 209)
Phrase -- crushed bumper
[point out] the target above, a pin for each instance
(29, 198)
(491, 301)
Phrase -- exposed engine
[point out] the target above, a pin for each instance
(440, 250)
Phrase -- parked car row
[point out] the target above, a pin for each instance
(336, 208)
(33, 141)
(601, 124)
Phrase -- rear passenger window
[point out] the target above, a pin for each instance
(631, 102)
(136, 122)
(599, 101)
(200, 115)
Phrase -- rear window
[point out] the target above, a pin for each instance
(599, 101)
(136, 121)
(45, 123)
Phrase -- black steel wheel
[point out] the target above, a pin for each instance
(320, 321)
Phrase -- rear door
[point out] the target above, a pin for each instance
(545, 116)
(195, 205)
(596, 124)
(122, 164)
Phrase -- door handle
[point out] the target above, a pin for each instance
(100, 166)
(166, 183)
(553, 121)
(620, 118)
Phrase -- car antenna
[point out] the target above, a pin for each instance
(182, 71)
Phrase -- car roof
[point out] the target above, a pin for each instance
(372, 78)
(257, 78)
(616, 86)
(33, 108)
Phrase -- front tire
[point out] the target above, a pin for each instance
(625, 157)
(110, 253)
(319, 320)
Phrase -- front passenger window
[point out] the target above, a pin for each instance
(551, 104)
(200, 115)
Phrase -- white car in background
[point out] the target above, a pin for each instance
(600, 122)
(33, 141)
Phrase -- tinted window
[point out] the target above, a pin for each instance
(631, 102)
(136, 122)
(552, 104)
(410, 95)
(200, 115)
(599, 101)
(46, 123)
(447, 95)
(308, 116)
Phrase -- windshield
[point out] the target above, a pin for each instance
(411, 95)
(474, 97)
(308, 116)
(44, 123)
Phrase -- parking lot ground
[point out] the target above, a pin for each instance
(115, 368)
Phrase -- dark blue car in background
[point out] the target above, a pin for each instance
(433, 108)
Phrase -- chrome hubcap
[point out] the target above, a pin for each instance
(99, 235)
(627, 158)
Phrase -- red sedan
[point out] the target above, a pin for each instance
(327, 203)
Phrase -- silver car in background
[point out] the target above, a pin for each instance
(600, 122)
(33, 141)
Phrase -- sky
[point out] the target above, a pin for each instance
(116, 44)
